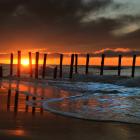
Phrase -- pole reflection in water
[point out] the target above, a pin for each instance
(42, 98)
(34, 99)
(16, 101)
(0, 82)
(27, 107)
(27, 99)
(9, 98)
(16, 98)
(33, 108)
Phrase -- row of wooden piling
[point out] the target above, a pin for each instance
(74, 58)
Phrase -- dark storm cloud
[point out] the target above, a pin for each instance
(64, 11)
(59, 25)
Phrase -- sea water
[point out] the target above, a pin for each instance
(94, 70)
(85, 100)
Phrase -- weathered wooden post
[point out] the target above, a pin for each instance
(11, 64)
(71, 66)
(19, 64)
(119, 64)
(36, 65)
(133, 65)
(76, 63)
(55, 73)
(1, 72)
(30, 64)
(61, 65)
(102, 64)
(16, 101)
(87, 63)
(44, 66)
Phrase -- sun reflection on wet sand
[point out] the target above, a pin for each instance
(18, 132)
(42, 126)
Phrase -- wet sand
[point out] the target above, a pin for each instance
(21, 123)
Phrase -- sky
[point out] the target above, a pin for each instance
(69, 25)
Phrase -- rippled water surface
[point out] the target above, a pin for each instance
(100, 102)
(94, 101)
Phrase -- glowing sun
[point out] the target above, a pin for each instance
(25, 62)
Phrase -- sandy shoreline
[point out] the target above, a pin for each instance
(51, 126)
(23, 125)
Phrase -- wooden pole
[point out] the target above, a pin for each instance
(76, 63)
(19, 64)
(55, 73)
(11, 64)
(119, 64)
(36, 65)
(30, 64)
(61, 65)
(44, 66)
(133, 65)
(87, 63)
(71, 66)
(102, 64)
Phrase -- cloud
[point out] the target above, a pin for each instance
(60, 26)
(126, 29)
(118, 51)
(126, 13)
(115, 9)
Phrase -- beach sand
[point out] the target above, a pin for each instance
(23, 124)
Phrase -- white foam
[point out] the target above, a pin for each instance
(112, 102)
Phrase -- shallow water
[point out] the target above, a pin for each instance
(100, 102)
(94, 101)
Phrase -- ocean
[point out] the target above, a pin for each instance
(93, 70)
(84, 100)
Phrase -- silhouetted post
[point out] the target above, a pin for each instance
(44, 66)
(119, 64)
(76, 63)
(30, 64)
(8, 99)
(87, 63)
(102, 64)
(55, 73)
(33, 108)
(1, 72)
(19, 64)
(36, 65)
(71, 66)
(11, 64)
(16, 101)
(61, 65)
(133, 65)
